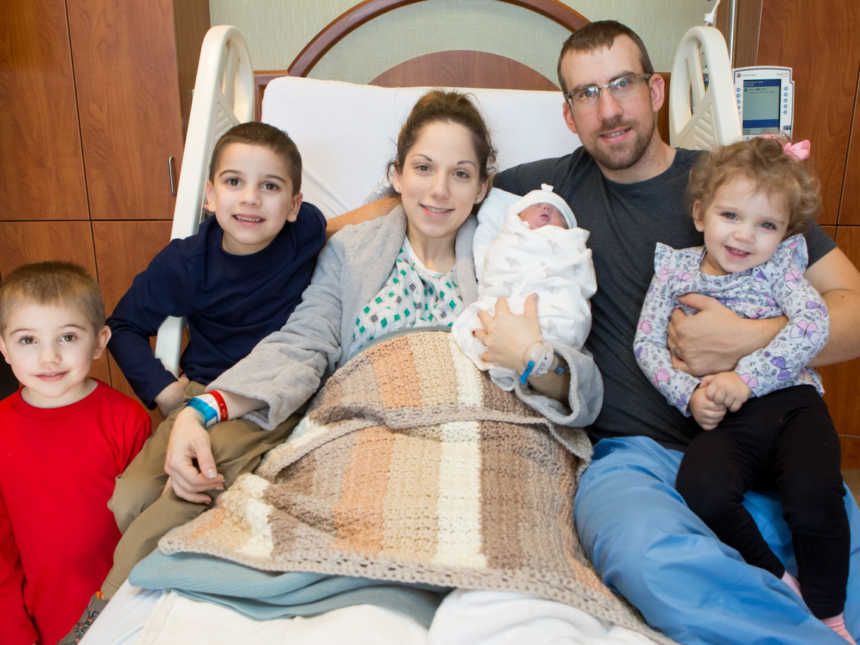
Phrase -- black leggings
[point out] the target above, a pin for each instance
(784, 441)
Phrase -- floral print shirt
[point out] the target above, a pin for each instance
(774, 288)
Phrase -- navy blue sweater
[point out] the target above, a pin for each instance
(230, 302)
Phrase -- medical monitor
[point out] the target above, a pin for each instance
(765, 98)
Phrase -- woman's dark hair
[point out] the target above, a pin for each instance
(438, 105)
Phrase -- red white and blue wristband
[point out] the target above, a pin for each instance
(210, 406)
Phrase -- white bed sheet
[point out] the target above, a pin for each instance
(139, 617)
(341, 170)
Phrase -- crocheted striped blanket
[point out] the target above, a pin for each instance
(412, 466)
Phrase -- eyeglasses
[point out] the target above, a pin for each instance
(620, 88)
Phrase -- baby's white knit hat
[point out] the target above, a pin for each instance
(546, 196)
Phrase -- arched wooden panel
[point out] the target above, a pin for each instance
(370, 9)
(464, 68)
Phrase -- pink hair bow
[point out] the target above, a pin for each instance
(799, 150)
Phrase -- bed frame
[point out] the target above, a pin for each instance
(227, 91)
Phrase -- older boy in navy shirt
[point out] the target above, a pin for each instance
(237, 280)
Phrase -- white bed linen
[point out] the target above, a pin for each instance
(139, 617)
(345, 158)
(511, 618)
(123, 618)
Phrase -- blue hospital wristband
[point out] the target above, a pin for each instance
(540, 358)
(208, 415)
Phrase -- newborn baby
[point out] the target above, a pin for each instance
(539, 249)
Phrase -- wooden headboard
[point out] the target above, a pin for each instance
(451, 68)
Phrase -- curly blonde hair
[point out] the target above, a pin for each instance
(763, 162)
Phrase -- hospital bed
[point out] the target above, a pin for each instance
(346, 133)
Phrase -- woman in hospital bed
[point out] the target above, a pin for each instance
(424, 248)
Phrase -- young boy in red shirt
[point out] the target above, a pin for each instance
(64, 437)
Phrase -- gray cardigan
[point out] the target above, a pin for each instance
(288, 366)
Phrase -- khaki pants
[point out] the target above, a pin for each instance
(144, 511)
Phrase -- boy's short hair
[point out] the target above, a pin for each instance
(52, 283)
(255, 133)
(596, 35)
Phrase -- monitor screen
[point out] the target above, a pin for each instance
(761, 106)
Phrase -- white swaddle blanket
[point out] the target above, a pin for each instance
(551, 261)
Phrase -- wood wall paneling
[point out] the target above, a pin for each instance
(850, 452)
(849, 209)
(191, 22)
(840, 381)
(128, 99)
(124, 249)
(824, 60)
(37, 101)
(24, 242)
(747, 25)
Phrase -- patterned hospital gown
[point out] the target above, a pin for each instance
(776, 287)
(412, 297)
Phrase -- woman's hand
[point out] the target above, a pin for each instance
(190, 443)
(509, 336)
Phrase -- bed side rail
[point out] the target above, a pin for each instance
(223, 97)
(702, 117)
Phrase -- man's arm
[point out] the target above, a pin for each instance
(838, 281)
(714, 339)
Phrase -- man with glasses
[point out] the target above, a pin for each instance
(626, 186)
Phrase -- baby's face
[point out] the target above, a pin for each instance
(542, 214)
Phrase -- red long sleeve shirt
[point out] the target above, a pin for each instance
(57, 536)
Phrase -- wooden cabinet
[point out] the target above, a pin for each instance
(41, 169)
(817, 39)
(95, 96)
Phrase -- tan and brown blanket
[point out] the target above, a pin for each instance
(412, 466)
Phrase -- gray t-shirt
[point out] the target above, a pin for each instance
(626, 221)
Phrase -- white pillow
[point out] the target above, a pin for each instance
(346, 132)
(491, 215)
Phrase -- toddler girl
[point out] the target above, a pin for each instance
(771, 428)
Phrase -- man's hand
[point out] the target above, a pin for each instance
(172, 396)
(189, 442)
(714, 338)
(706, 413)
(508, 336)
(727, 389)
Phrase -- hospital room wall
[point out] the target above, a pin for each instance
(276, 31)
(94, 98)
(817, 39)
